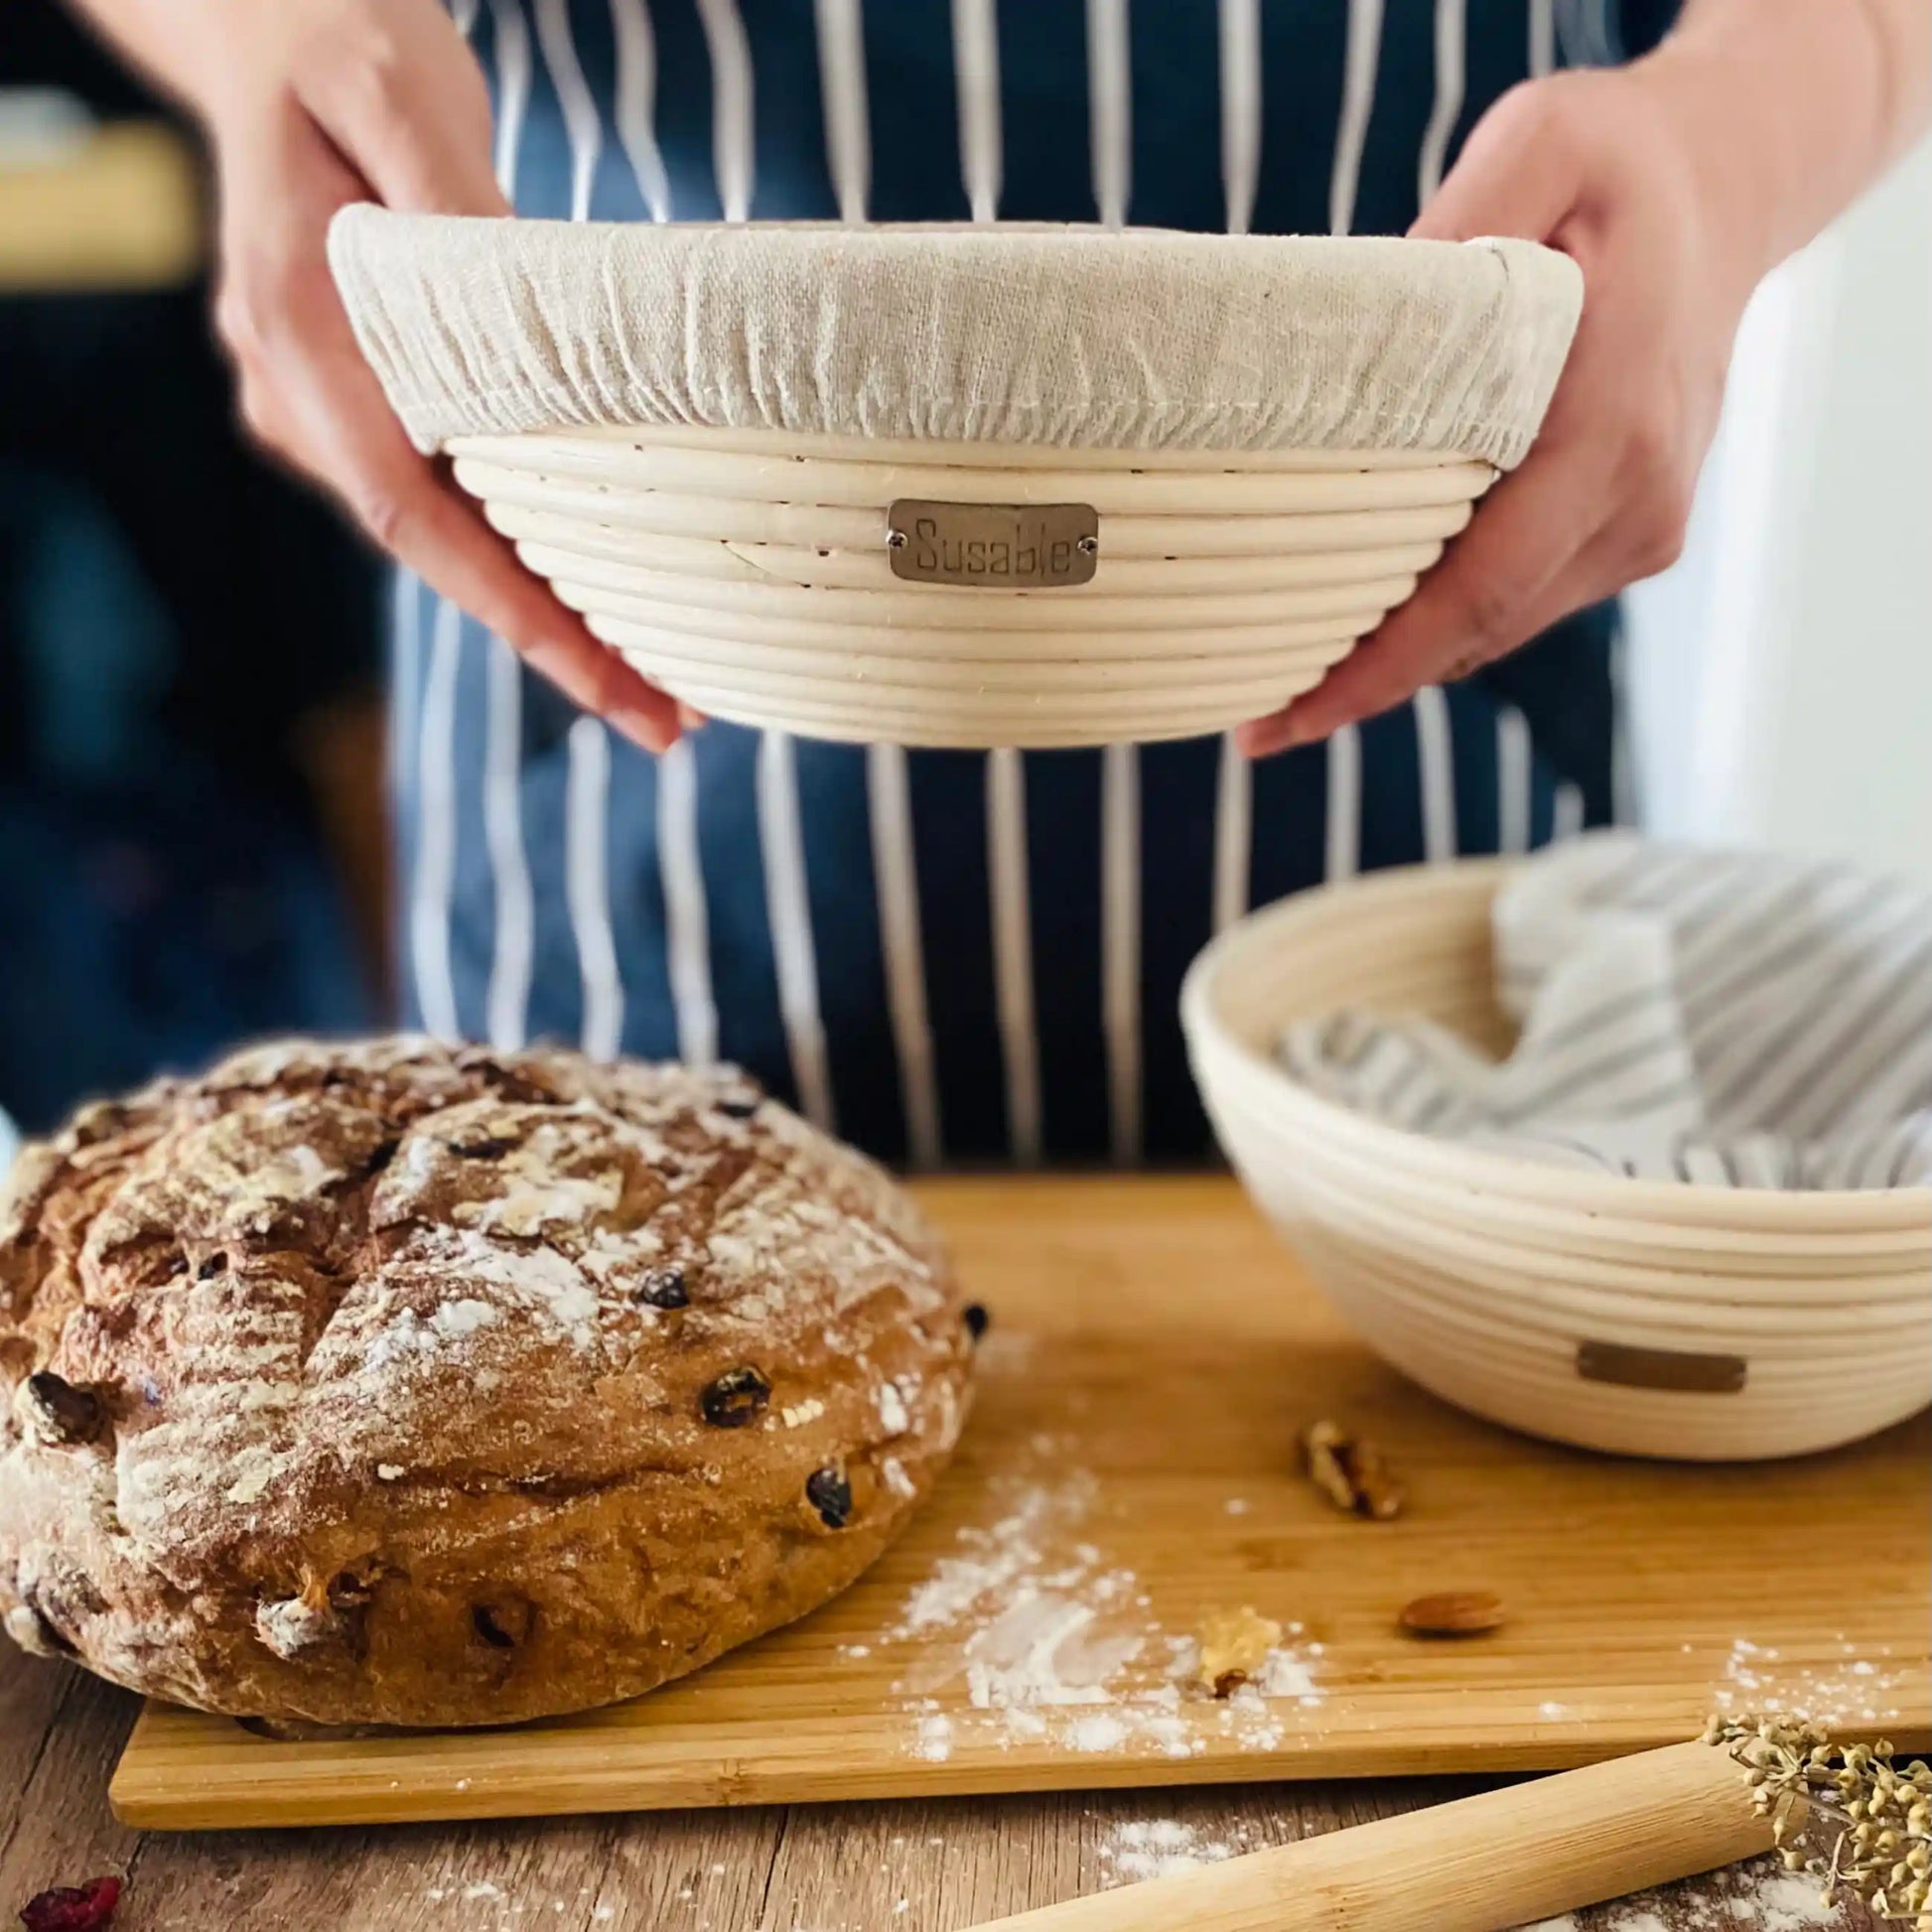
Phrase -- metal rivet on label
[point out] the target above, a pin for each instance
(895, 539)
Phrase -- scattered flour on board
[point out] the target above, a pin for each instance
(1757, 1897)
(1157, 1848)
(1848, 1689)
(1052, 1643)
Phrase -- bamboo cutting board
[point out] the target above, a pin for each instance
(1130, 1466)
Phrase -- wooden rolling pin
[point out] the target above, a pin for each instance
(1505, 1859)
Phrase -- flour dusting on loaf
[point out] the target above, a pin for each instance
(395, 1383)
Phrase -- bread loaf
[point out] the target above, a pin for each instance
(397, 1383)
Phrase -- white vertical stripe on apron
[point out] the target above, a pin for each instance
(1110, 113)
(788, 910)
(889, 797)
(1362, 57)
(407, 703)
(1342, 856)
(587, 886)
(976, 69)
(842, 81)
(780, 837)
(1240, 171)
(426, 730)
(976, 64)
(1513, 780)
(507, 1014)
(1013, 955)
(587, 789)
(637, 103)
(1110, 120)
(1450, 62)
(1357, 98)
(513, 37)
(733, 136)
(1543, 38)
(1585, 34)
(1435, 742)
(1567, 816)
(582, 126)
(687, 924)
(1233, 835)
(435, 877)
(680, 867)
(1436, 761)
(1240, 109)
(889, 807)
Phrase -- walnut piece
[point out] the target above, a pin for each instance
(1351, 1473)
(1234, 1644)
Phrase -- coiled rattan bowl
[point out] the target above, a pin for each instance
(753, 578)
(728, 444)
(1705, 1324)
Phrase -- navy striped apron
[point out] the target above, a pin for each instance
(949, 957)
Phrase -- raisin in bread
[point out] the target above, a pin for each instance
(389, 1383)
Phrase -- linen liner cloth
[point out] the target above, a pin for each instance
(1068, 337)
(1729, 1019)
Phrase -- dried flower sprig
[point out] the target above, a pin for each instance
(1882, 1852)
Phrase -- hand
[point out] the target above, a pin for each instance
(312, 104)
(1625, 172)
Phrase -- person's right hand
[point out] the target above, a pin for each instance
(312, 104)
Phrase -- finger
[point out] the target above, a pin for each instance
(1479, 599)
(417, 515)
(399, 93)
(1516, 174)
(1262, 738)
(1585, 580)
(311, 397)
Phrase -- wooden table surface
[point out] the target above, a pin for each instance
(925, 1866)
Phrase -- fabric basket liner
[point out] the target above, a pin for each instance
(1069, 337)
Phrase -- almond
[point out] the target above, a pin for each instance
(1453, 1613)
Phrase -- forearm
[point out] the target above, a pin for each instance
(148, 35)
(1807, 101)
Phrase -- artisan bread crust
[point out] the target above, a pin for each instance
(390, 1383)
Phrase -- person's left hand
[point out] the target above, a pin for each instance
(1625, 171)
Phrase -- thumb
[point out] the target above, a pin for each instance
(1514, 177)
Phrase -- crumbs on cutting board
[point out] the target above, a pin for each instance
(1052, 1641)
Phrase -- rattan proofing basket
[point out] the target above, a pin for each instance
(1697, 1322)
(697, 433)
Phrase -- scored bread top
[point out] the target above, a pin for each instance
(340, 1326)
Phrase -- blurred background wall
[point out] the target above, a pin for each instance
(1782, 673)
(189, 841)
